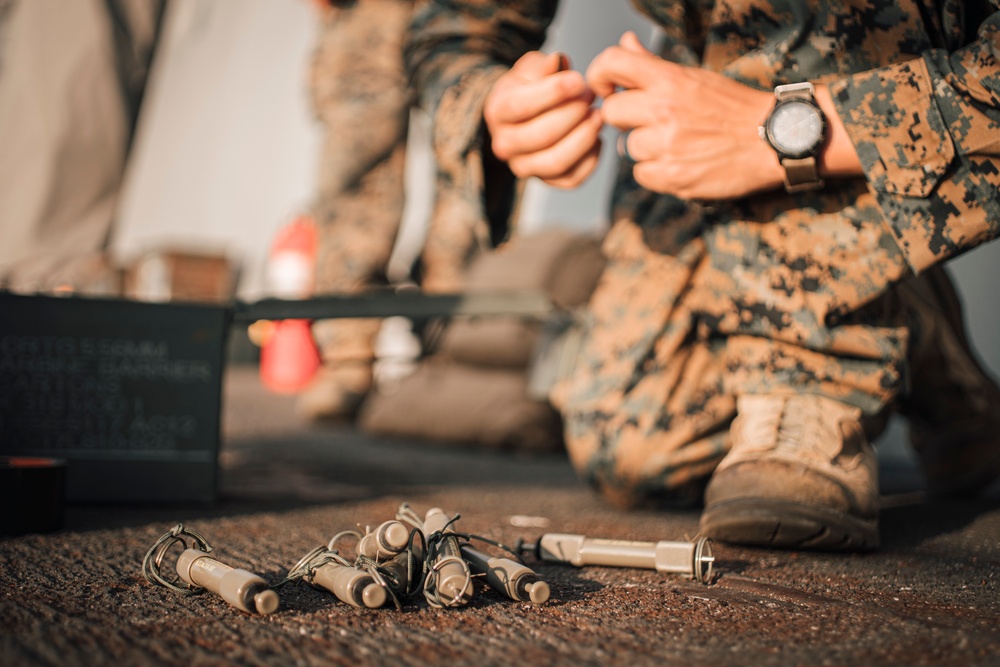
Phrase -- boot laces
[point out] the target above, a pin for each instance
(791, 424)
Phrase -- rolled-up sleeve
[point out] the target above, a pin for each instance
(927, 132)
(455, 53)
(451, 42)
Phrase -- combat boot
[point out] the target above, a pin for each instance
(801, 474)
(336, 393)
(953, 406)
(345, 377)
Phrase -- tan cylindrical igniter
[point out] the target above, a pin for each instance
(389, 539)
(453, 580)
(244, 590)
(351, 585)
(516, 581)
(691, 558)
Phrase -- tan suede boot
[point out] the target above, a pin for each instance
(336, 392)
(345, 378)
(800, 474)
(953, 405)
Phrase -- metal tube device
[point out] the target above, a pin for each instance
(244, 590)
(351, 585)
(516, 581)
(449, 581)
(389, 539)
(693, 559)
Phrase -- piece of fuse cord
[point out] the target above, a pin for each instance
(351, 585)
(516, 581)
(693, 559)
(244, 590)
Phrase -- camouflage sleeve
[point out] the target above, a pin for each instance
(928, 135)
(455, 53)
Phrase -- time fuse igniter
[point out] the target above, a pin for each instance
(693, 559)
(198, 571)
(244, 590)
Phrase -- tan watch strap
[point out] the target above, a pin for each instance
(801, 174)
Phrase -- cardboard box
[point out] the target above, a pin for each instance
(171, 275)
(128, 393)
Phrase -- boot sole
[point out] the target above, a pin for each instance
(776, 523)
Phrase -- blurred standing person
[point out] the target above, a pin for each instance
(361, 95)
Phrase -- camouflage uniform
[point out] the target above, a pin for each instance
(360, 94)
(774, 293)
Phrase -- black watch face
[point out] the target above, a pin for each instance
(795, 129)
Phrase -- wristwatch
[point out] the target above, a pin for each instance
(795, 129)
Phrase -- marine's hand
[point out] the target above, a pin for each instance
(694, 132)
(541, 122)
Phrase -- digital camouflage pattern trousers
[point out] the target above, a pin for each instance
(721, 302)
